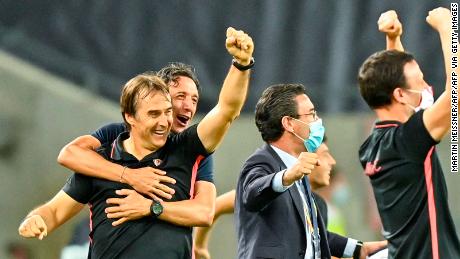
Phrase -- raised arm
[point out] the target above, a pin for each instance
(198, 211)
(389, 24)
(80, 156)
(215, 124)
(437, 117)
(46, 218)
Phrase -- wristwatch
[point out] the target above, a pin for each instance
(156, 209)
(357, 251)
(243, 67)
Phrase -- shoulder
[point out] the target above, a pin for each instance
(262, 157)
(186, 135)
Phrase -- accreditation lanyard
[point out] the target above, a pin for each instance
(314, 218)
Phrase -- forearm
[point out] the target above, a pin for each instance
(187, 213)
(445, 35)
(202, 235)
(198, 211)
(258, 192)
(90, 163)
(57, 211)
(394, 43)
(225, 204)
(233, 93)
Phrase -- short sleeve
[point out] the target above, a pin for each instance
(205, 170)
(79, 187)
(190, 139)
(415, 138)
(108, 133)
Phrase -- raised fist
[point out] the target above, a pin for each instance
(306, 162)
(239, 45)
(439, 18)
(389, 24)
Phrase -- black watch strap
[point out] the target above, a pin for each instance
(242, 67)
(357, 251)
(156, 209)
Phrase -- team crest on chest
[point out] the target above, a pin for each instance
(157, 162)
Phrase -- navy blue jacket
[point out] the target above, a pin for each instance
(270, 224)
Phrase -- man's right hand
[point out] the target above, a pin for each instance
(389, 24)
(149, 181)
(306, 162)
(33, 226)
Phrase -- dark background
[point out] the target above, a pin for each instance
(101, 44)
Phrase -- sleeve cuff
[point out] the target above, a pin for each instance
(277, 183)
(349, 248)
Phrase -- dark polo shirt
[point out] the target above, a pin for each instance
(145, 237)
(410, 190)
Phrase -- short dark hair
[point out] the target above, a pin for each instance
(276, 102)
(137, 88)
(173, 70)
(380, 74)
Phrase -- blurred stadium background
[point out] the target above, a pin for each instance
(62, 65)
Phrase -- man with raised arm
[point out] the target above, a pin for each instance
(157, 229)
(400, 154)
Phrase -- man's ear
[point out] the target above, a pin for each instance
(130, 119)
(287, 124)
(399, 95)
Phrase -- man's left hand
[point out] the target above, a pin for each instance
(131, 207)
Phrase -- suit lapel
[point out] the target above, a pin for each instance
(297, 200)
(293, 191)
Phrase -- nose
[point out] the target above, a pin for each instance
(165, 120)
(187, 104)
(333, 162)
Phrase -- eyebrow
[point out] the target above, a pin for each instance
(160, 110)
(183, 92)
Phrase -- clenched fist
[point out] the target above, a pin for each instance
(306, 162)
(239, 45)
(33, 226)
(439, 18)
(389, 24)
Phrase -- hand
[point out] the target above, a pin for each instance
(149, 181)
(131, 207)
(239, 45)
(371, 248)
(389, 24)
(33, 226)
(306, 162)
(439, 18)
(201, 253)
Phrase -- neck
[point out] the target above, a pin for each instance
(136, 148)
(394, 112)
(289, 144)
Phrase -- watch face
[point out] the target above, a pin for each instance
(156, 208)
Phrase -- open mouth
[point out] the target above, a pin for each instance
(183, 119)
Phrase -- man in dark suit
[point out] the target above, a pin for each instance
(276, 214)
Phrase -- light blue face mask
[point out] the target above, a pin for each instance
(316, 136)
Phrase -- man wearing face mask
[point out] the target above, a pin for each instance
(276, 214)
(400, 155)
(318, 178)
